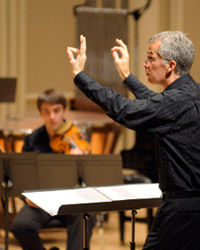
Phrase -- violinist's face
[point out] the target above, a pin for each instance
(53, 116)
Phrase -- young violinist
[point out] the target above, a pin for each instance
(48, 139)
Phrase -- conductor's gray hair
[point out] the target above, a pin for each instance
(175, 46)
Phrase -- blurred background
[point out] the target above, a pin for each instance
(34, 35)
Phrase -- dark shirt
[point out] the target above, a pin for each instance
(38, 141)
(174, 117)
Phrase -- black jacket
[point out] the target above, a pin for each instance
(173, 116)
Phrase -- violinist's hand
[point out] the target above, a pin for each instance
(77, 151)
(77, 57)
(122, 59)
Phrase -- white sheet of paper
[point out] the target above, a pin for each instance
(50, 201)
(131, 191)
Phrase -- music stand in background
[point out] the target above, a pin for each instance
(14, 175)
(8, 89)
(100, 170)
(57, 171)
(90, 170)
(30, 171)
(7, 93)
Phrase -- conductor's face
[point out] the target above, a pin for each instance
(154, 67)
(53, 115)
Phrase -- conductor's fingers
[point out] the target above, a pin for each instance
(121, 43)
(71, 51)
(115, 55)
(82, 44)
(118, 49)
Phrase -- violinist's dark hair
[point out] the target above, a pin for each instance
(52, 96)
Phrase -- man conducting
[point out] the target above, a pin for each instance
(173, 116)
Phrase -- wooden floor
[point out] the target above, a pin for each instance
(106, 239)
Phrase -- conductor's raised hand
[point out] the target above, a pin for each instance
(121, 58)
(77, 57)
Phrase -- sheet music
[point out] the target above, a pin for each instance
(50, 201)
(130, 191)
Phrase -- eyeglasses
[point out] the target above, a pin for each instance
(149, 60)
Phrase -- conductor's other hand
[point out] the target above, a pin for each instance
(77, 57)
(121, 58)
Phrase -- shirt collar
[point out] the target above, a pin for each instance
(179, 82)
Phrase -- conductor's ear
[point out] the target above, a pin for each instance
(171, 66)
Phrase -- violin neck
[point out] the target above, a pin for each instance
(72, 144)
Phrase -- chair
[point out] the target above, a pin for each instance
(2, 141)
(54, 225)
(140, 159)
(15, 141)
(104, 138)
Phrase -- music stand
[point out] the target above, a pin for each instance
(97, 199)
(8, 88)
(13, 169)
(30, 171)
(34, 171)
(99, 170)
(92, 170)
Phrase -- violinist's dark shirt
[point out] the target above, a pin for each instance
(38, 141)
(173, 116)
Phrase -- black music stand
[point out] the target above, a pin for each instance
(94, 169)
(9, 174)
(8, 88)
(99, 170)
(7, 93)
(28, 171)
(97, 199)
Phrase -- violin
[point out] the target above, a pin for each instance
(68, 136)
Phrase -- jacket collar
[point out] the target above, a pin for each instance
(179, 82)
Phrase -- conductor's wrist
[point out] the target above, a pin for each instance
(76, 72)
(124, 75)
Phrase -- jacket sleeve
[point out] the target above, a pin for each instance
(138, 88)
(153, 114)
